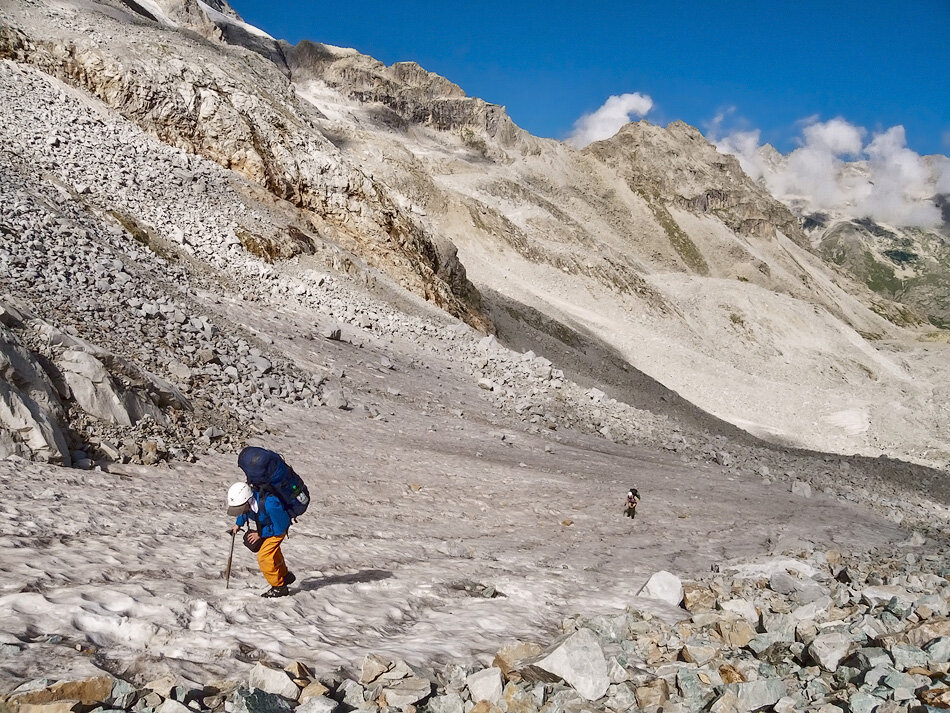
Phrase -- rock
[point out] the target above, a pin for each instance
(699, 653)
(317, 704)
(753, 695)
(272, 680)
(516, 700)
(509, 656)
(335, 399)
(655, 693)
(98, 394)
(728, 702)
(937, 697)
(486, 384)
(828, 650)
(863, 703)
(312, 690)
(907, 656)
(577, 659)
(334, 334)
(485, 685)
(864, 659)
(122, 695)
(172, 706)
(736, 633)
(407, 691)
(882, 594)
(664, 586)
(64, 706)
(698, 598)
(86, 691)
(448, 703)
(742, 608)
(938, 650)
(723, 458)
(801, 488)
(257, 701)
(373, 667)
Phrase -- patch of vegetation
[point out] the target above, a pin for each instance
(740, 278)
(874, 229)
(880, 277)
(681, 242)
(901, 257)
(938, 322)
(736, 319)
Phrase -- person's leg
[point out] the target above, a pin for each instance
(271, 561)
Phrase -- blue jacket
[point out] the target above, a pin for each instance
(271, 518)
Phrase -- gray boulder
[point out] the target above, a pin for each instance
(753, 695)
(98, 394)
(407, 691)
(576, 659)
(665, 586)
(828, 650)
(274, 681)
(485, 685)
(257, 701)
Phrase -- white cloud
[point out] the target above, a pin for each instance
(884, 179)
(609, 118)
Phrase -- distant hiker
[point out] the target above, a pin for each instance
(630, 508)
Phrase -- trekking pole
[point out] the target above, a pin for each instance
(227, 570)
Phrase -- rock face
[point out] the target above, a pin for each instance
(31, 414)
(677, 166)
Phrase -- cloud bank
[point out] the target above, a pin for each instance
(609, 118)
(842, 167)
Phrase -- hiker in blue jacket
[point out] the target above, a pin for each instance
(272, 523)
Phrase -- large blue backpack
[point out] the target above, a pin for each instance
(267, 473)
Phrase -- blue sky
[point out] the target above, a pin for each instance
(767, 66)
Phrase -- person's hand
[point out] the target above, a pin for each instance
(233, 530)
(252, 537)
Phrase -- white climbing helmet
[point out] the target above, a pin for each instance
(238, 495)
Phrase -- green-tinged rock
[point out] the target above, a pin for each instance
(621, 697)
(449, 703)
(863, 703)
(122, 695)
(693, 689)
(938, 650)
(906, 656)
(256, 701)
(753, 695)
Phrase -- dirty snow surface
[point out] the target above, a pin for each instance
(416, 521)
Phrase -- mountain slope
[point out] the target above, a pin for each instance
(651, 242)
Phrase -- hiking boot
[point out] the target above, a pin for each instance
(289, 578)
(280, 591)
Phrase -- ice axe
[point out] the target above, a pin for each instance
(227, 570)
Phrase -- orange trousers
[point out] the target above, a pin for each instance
(271, 561)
